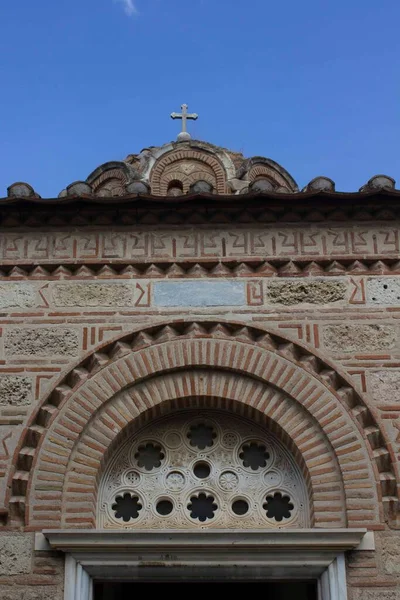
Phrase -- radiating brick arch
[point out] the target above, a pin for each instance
(118, 178)
(158, 185)
(258, 171)
(176, 354)
(189, 389)
(57, 427)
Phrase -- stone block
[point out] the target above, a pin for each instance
(359, 338)
(379, 182)
(9, 437)
(199, 293)
(384, 291)
(16, 551)
(41, 341)
(138, 187)
(384, 385)
(20, 189)
(17, 295)
(15, 390)
(94, 294)
(310, 291)
(79, 187)
(201, 187)
(376, 594)
(321, 183)
(36, 592)
(262, 185)
(390, 554)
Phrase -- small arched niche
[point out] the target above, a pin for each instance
(175, 188)
(200, 469)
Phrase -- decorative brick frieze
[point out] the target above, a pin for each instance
(244, 244)
(200, 268)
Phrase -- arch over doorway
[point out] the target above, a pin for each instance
(287, 382)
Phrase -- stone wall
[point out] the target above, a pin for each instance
(65, 294)
(376, 575)
(28, 575)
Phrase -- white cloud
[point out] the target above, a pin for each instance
(129, 7)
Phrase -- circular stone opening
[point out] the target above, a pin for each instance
(278, 506)
(202, 507)
(164, 507)
(254, 456)
(240, 507)
(202, 470)
(127, 507)
(149, 456)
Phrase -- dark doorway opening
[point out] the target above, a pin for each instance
(271, 590)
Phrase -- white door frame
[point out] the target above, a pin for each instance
(309, 554)
(79, 584)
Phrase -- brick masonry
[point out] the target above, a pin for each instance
(298, 322)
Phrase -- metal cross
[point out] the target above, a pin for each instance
(184, 115)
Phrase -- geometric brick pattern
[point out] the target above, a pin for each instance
(319, 398)
(158, 180)
(203, 267)
(244, 243)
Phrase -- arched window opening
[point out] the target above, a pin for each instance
(262, 184)
(175, 188)
(201, 187)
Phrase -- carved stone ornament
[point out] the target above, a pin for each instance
(199, 470)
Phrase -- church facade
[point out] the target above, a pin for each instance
(200, 380)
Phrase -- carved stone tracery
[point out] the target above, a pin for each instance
(202, 469)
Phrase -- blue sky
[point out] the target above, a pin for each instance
(312, 84)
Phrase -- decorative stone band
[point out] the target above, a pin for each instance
(199, 292)
(193, 243)
(259, 554)
(180, 266)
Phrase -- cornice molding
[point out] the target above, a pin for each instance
(232, 541)
(303, 207)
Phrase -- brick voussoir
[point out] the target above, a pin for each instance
(220, 354)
